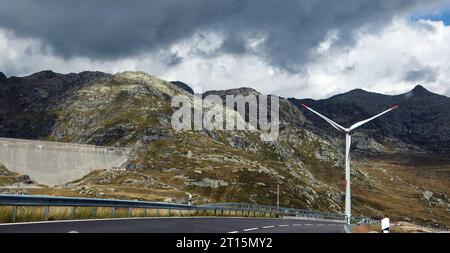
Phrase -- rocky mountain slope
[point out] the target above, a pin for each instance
(133, 109)
(27, 103)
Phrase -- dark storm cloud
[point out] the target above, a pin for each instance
(172, 59)
(105, 29)
(427, 75)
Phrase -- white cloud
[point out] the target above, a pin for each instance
(391, 61)
(383, 62)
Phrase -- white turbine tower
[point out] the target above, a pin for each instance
(348, 140)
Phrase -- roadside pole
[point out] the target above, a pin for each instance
(278, 196)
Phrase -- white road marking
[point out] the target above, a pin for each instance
(298, 225)
(233, 232)
(73, 232)
(250, 229)
(268, 227)
(283, 225)
(320, 224)
(308, 224)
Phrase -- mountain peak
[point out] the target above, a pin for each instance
(42, 75)
(419, 89)
(183, 86)
(245, 91)
(357, 91)
(46, 72)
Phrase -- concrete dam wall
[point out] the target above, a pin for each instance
(56, 163)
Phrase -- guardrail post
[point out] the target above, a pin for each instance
(215, 212)
(46, 211)
(14, 213)
(113, 211)
(145, 212)
(73, 212)
(130, 212)
(181, 212)
(94, 212)
(157, 212)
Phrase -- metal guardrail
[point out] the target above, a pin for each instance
(282, 210)
(43, 200)
(237, 209)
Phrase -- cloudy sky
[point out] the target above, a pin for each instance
(293, 48)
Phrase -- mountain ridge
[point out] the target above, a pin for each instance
(421, 119)
(133, 110)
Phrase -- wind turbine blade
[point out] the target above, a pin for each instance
(332, 123)
(356, 125)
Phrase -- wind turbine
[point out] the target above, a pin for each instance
(348, 140)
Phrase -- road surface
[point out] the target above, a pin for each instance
(179, 225)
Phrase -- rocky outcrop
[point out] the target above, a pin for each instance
(28, 104)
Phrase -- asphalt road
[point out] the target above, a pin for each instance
(179, 225)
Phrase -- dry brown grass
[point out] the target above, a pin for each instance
(405, 227)
(367, 228)
(28, 214)
(397, 190)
